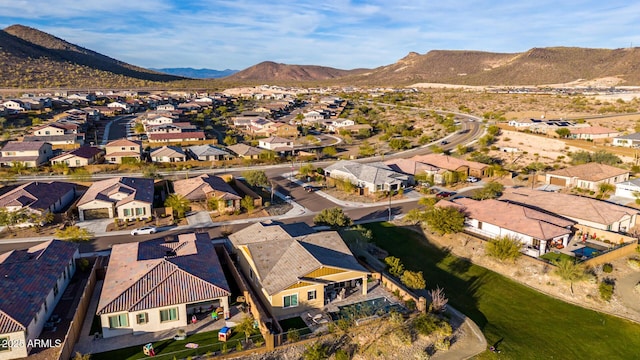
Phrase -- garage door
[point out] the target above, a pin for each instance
(91, 214)
(557, 181)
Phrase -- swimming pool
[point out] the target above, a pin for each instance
(588, 251)
(378, 306)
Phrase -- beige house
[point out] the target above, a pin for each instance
(161, 284)
(122, 197)
(29, 153)
(587, 176)
(245, 151)
(82, 156)
(206, 187)
(584, 210)
(123, 149)
(294, 269)
(33, 282)
(439, 165)
(168, 154)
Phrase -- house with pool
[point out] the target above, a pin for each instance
(295, 269)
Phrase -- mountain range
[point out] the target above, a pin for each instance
(30, 58)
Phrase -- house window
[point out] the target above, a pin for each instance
(123, 148)
(113, 159)
(229, 203)
(311, 295)
(55, 289)
(132, 148)
(77, 162)
(118, 321)
(290, 301)
(4, 344)
(142, 318)
(169, 314)
(127, 212)
(140, 211)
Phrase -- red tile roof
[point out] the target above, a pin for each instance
(178, 136)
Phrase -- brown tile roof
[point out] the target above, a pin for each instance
(85, 152)
(134, 189)
(571, 206)
(596, 130)
(36, 195)
(124, 142)
(27, 278)
(157, 273)
(283, 256)
(590, 172)
(516, 218)
(205, 186)
(447, 162)
(244, 150)
(409, 166)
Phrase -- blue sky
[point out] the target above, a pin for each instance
(236, 34)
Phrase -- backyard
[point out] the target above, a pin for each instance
(525, 323)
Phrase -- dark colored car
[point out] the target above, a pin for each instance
(445, 194)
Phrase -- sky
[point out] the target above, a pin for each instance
(236, 34)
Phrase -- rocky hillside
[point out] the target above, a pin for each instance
(32, 58)
(269, 71)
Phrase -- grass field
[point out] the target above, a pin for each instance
(528, 324)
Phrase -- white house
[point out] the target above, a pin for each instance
(628, 189)
(374, 176)
(162, 284)
(630, 140)
(276, 143)
(338, 124)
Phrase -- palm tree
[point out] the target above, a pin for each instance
(570, 271)
(178, 204)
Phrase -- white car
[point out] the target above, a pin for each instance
(472, 179)
(144, 231)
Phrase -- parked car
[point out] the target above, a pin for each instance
(472, 179)
(445, 194)
(146, 230)
(309, 188)
(444, 142)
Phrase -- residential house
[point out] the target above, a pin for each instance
(168, 154)
(82, 97)
(630, 140)
(39, 198)
(628, 189)
(245, 151)
(123, 150)
(58, 133)
(123, 197)
(176, 137)
(207, 153)
(277, 144)
(82, 156)
(539, 232)
(584, 210)
(313, 117)
(29, 153)
(123, 106)
(33, 282)
(16, 105)
(592, 133)
(294, 269)
(166, 107)
(373, 177)
(161, 284)
(206, 187)
(155, 119)
(176, 127)
(285, 130)
(587, 176)
(440, 166)
(337, 125)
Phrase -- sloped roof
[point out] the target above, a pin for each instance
(36, 195)
(85, 152)
(283, 262)
(634, 136)
(244, 150)
(593, 130)
(516, 218)
(448, 162)
(168, 151)
(204, 186)
(590, 172)
(124, 142)
(27, 278)
(177, 136)
(157, 273)
(269, 230)
(374, 173)
(409, 166)
(207, 150)
(23, 145)
(136, 189)
(571, 206)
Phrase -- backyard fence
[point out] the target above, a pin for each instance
(220, 350)
(608, 256)
(75, 327)
(397, 288)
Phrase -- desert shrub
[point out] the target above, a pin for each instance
(316, 351)
(341, 355)
(293, 336)
(396, 268)
(413, 280)
(606, 290)
(504, 248)
(607, 268)
(634, 263)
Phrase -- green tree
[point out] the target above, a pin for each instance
(178, 203)
(317, 351)
(490, 190)
(333, 217)
(563, 132)
(213, 203)
(570, 271)
(605, 188)
(74, 233)
(493, 130)
(462, 149)
(396, 268)
(504, 248)
(329, 151)
(399, 144)
(12, 218)
(445, 220)
(256, 178)
(413, 280)
(230, 140)
(246, 326)
(366, 149)
(138, 128)
(247, 203)
(306, 170)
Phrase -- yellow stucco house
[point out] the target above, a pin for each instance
(295, 269)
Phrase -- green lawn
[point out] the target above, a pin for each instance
(556, 257)
(166, 349)
(530, 324)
